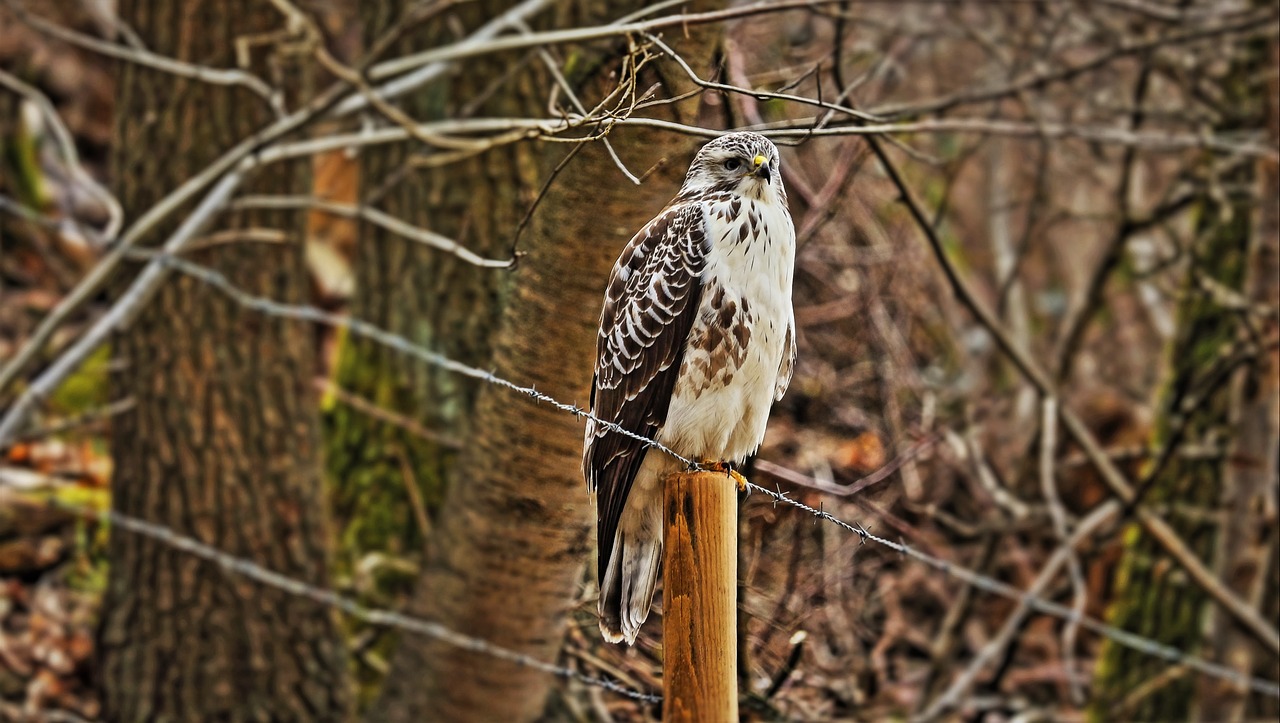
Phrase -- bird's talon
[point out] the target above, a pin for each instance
(729, 471)
(710, 465)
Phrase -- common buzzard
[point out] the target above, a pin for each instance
(697, 340)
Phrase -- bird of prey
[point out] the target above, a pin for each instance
(697, 340)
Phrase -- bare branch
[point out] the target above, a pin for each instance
(1262, 21)
(378, 218)
(105, 267)
(155, 61)
(67, 149)
(120, 314)
(1058, 513)
(469, 48)
(426, 71)
(950, 698)
(757, 94)
(1249, 618)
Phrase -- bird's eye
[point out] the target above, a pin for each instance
(732, 164)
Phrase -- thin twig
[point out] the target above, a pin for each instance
(757, 94)
(364, 406)
(91, 417)
(1078, 319)
(1111, 475)
(881, 474)
(469, 48)
(1048, 572)
(67, 149)
(156, 61)
(378, 218)
(1058, 513)
(419, 507)
(564, 86)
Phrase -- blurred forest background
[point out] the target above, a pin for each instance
(288, 288)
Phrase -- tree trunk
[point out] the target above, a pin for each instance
(222, 444)
(515, 528)
(1247, 555)
(1153, 598)
(432, 298)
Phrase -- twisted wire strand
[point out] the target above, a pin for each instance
(376, 616)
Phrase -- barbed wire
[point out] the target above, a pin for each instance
(977, 580)
(393, 341)
(1047, 607)
(299, 588)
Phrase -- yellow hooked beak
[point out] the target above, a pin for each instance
(761, 167)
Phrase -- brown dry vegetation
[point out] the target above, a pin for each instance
(1086, 202)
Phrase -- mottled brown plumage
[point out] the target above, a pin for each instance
(696, 341)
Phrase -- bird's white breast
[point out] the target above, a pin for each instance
(727, 379)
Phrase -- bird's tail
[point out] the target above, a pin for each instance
(626, 592)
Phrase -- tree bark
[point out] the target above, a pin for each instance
(221, 445)
(515, 528)
(432, 298)
(1153, 598)
(1247, 555)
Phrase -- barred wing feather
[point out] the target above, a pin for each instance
(650, 306)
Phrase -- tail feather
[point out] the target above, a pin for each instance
(626, 592)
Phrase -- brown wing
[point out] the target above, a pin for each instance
(649, 307)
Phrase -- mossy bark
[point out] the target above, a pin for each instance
(1153, 597)
(1248, 554)
(515, 529)
(222, 443)
(434, 299)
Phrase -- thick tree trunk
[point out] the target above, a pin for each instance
(515, 529)
(221, 444)
(433, 298)
(1153, 598)
(1247, 555)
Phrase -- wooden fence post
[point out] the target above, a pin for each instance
(699, 598)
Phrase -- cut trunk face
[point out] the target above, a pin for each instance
(221, 445)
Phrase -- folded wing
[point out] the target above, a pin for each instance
(650, 305)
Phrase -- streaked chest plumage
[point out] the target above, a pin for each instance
(731, 365)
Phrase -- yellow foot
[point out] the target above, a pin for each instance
(727, 468)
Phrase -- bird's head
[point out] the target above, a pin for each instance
(745, 164)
